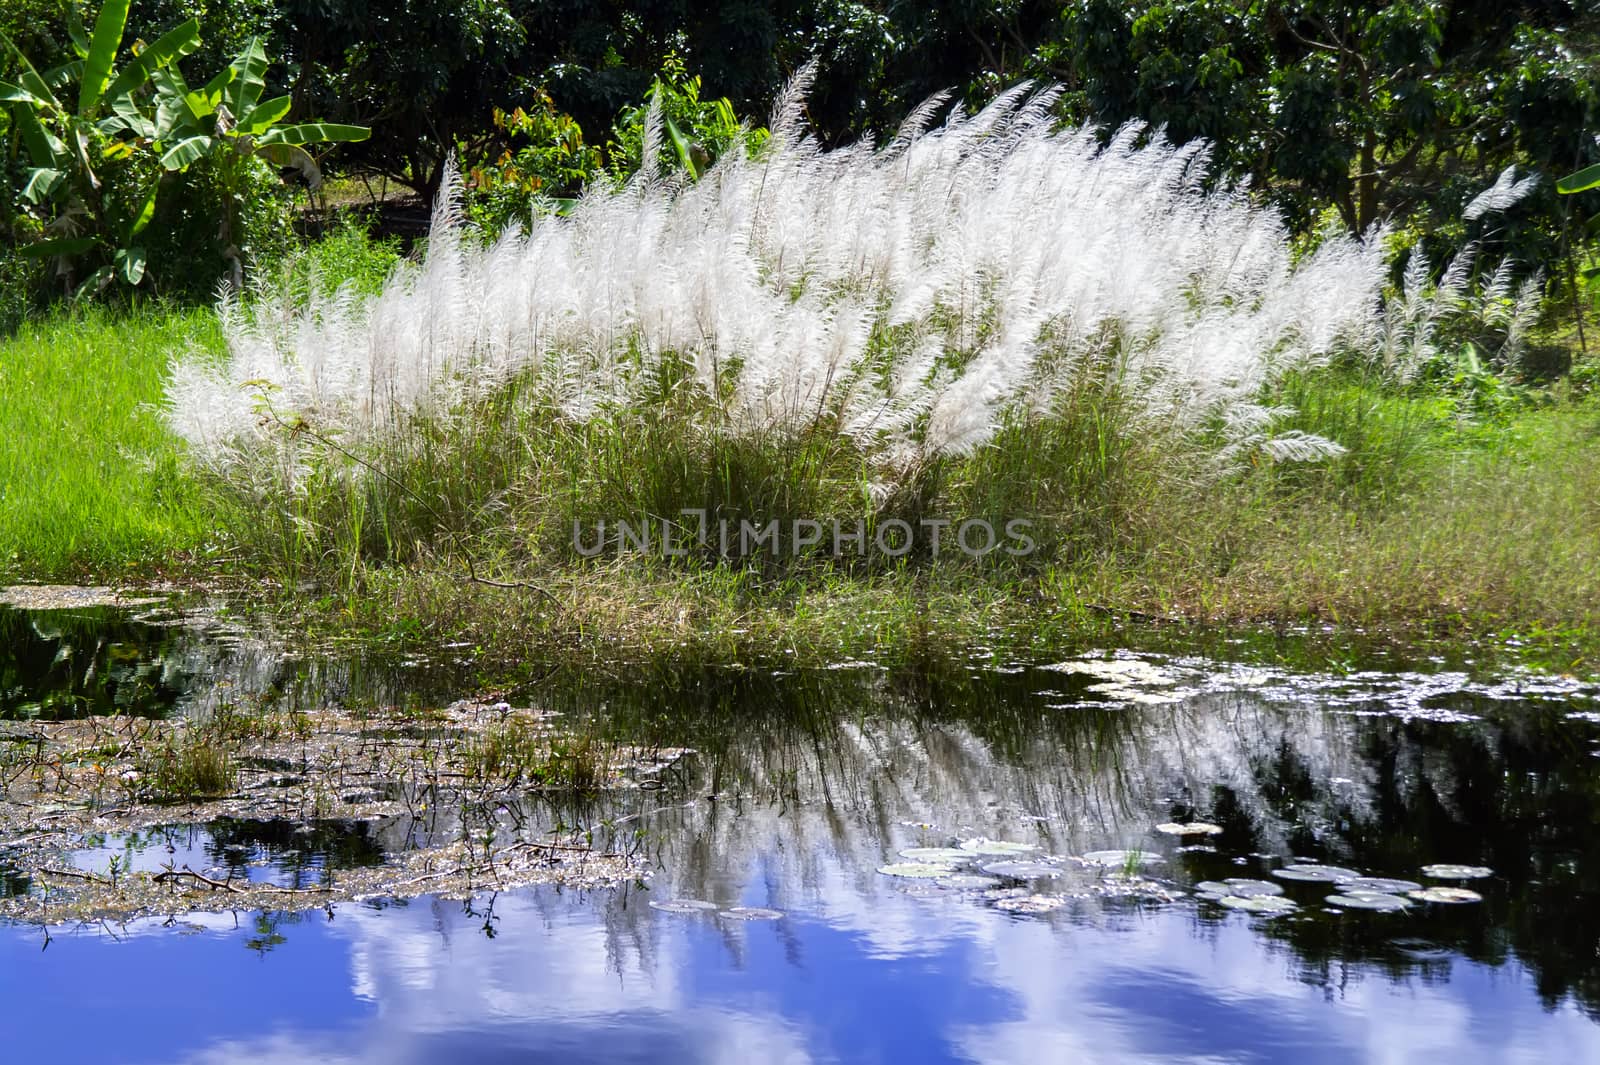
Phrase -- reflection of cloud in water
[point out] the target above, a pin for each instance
(807, 805)
(1160, 993)
(804, 815)
(554, 980)
(557, 984)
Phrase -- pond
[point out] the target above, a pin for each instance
(752, 919)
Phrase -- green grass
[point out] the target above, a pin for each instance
(91, 482)
(1439, 522)
(189, 767)
(1433, 526)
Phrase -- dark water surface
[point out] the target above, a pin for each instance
(802, 787)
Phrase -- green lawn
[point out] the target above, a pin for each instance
(91, 482)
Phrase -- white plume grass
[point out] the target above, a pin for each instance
(1503, 195)
(908, 298)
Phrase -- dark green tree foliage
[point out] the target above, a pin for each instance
(226, 26)
(421, 73)
(1379, 109)
(427, 74)
(1394, 113)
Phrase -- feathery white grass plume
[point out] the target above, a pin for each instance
(1504, 194)
(909, 297)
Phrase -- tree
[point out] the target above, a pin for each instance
(1374, 108)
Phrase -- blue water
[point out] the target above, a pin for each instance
(804, 785)
(604, 979)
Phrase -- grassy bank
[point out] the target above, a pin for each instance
(1433, 525)
(91, 482)
(1491, 541)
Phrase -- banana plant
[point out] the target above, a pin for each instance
(1584, 180)
(227, 122)
(68, 138)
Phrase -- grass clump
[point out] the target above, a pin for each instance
(798, 334)
(519, 752)
(187, 767)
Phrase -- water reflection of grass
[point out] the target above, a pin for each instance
(839, 763)
(66, 663)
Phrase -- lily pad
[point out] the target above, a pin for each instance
(926, 870)
(981, 845)
(1457, 872)
(751, 913)
(1251, 889)
(1264, 904)
(1189, 828)
(1368, 900)
(1449, 895)
(947, 855)
(1326, 873)
(1213, 887)
(1381, 884)
(1031, 904)
(968, 882)
(685, 906)
(1114, 858)
(1021, 870)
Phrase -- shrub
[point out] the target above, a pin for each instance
(542, 162)
(993, 313)
(185, 255)
(23, 284)
(695, 132)
(902, 300)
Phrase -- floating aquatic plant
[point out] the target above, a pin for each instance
(1120, 858)
(1031, 904)
(917, 870)
(983, 845)
(1457, 872)
(684, 906)
(1381, 884)
(1191, 828)
(1117, 670)
(1022, 870)
(1250, 889)
(1269, 905)
(1420, 949)
(1447, 895)
(1322, 873)
(1368, 900)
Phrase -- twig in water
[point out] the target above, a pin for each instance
(174, 875)
(76, 875)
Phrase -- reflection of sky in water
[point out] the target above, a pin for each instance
(575, 980)
(1413, 770)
